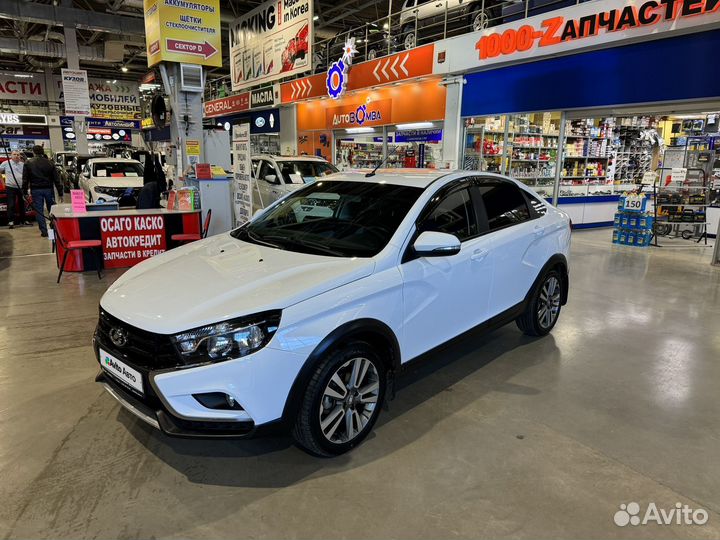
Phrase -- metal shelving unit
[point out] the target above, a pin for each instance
(690, 187)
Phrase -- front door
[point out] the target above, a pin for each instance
(445, 296)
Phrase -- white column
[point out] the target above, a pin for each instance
(288, 130)
(73, 61)
(452, 127)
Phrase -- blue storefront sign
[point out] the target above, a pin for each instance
(265, 121)
(419, 135)
(618, 76)
(105, 123)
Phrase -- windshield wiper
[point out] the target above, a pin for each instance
(312, 245)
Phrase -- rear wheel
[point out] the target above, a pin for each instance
(480, 18)
(409, 37)
(342, 401)
(543, 309)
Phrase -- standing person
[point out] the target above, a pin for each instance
(13, 171)
(39, 175)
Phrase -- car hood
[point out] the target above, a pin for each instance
(221, 278)
(129, 181)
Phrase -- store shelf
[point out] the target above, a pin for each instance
(681, 204)
(589, 177)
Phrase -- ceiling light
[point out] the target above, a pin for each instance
(414, 125)
(124, 69)
(386, 26)
(22, 75)
(115, 81)
(316, 17)
(107, 82)
(360, 130)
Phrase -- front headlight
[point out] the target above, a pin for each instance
(230, 339)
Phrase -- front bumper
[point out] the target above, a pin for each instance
(260, 384)
(163, 420)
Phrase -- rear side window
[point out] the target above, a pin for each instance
(454, 214)
(536, 205)
(504, 203)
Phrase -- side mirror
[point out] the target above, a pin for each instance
(86, 174)
(272, 178)
(436, 244)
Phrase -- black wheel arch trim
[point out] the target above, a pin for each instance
(343, 333)
(557, 260)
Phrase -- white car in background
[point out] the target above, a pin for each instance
(112, 180)
(275, 176)
(302, 318)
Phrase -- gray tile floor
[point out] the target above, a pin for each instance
(499, 436)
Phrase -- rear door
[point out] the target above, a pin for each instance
(516, 231)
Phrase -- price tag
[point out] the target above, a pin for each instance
(678, 175)
(634, 203)
(649, 178)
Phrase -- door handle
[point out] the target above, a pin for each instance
(538, 231)
(479, 254)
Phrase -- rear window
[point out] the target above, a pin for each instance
(118, 169)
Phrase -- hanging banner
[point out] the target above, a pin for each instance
(22, 86)
(273, 41)
(114, 100)
(67, 121)
(75, 92)
(242, 182)
(582, 26)
(183, 31)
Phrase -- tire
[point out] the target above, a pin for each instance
(321, 427)
(536, 321)
(409, 37)
(481, 19)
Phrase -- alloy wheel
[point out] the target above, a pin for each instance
(549, 302)
(409, 41)
(480, 21)
(349, 400)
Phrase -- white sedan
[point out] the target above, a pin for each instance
(301, 318)
(276, 176)
(112, 180)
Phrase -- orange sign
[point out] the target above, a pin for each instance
(408, 102)
(397, 67)
(353, 115)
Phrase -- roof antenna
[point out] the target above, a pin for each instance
(371, 174)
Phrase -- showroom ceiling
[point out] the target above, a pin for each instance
(110, 34)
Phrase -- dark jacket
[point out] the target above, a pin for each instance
(40, 173)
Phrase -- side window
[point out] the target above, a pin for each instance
(454, 214)
(265, 169)
(537, 207)
(504, 204)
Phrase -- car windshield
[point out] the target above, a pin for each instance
(341, 219)
(118, 169)
(304, 172)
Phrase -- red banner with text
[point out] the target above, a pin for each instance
(128, 240)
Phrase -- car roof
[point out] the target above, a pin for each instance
(290, 158)
(420, 178)
(114, 160)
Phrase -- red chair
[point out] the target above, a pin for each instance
(192, 237)
(74, 245)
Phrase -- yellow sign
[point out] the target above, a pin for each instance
(186, 31)
(192, 148)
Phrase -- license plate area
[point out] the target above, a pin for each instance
(121, 372)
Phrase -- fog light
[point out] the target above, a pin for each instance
(218, 400)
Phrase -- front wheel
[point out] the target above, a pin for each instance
(543, 310)
(342, 401)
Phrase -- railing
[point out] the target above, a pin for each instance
(418, 23)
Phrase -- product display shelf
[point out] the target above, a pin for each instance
(674, 212)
